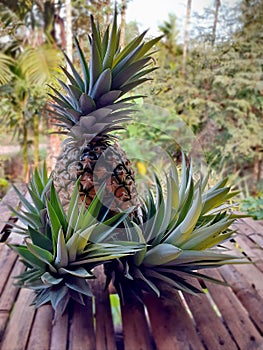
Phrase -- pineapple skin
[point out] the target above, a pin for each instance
(65, 173)
(100, 162)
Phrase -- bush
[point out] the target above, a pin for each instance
(253, 206)
(4, 185)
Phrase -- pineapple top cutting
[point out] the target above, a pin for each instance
(92, 107)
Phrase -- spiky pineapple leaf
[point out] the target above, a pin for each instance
(83, 238)
(58, 208)
(131, 46)
(60, 99)
(183, 230)
(42, 254)
(73, 211)
(62, 258)
(95, 206)
(96, 36)
(71, 98)
(149, 44)
(80, 272)
(42, 297)
(38, 203)
(139, 275)
(28, 256)
(212, 199)
(102, 84)
(129, 86)
(59, 299)
(40, 239)
(24, 201)
(207, 236)
(26, 217)
(50, 280)
(186, 181)
(112, 44)
(196, 257)
(183, 272)
(55, 224)
(95, 65)
(84, 66)
(25, 278)
(87, 103)
(178, 283)
(127, 60)
(80, 285)
(70, 78)
(38, 182)
(109, 97)
(103, 231)
(77, 77)
(128, 72)
(161, 254)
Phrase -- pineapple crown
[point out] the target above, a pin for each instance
(184, 224)
(61, 249)
(93, 102)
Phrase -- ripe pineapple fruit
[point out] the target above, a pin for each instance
(91, 109)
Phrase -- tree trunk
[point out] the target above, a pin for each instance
(217, 5)
(36, 139)
(123, 22)
(53, 146)
(256, 169)
(186, 35)
(53, 140)
(25, 147)
(68, 26)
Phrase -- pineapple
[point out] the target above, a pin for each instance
(184, 227)
(91, 109)
(60, 250)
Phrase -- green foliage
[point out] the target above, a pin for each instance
(253, 206)
(115, 308)
(23, 95)
(151, 127)
(5, 63)
(222, 88)
(20, 7)
(102, 10)
(28, 61)
(169, 49)
(4, 185)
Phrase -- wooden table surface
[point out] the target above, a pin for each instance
(222, 317)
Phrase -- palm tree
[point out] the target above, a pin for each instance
(29, 73)
(5, 72)
(36, 56)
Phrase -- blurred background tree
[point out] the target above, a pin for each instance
(211, 79)
(27, 40)
(220, 93)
